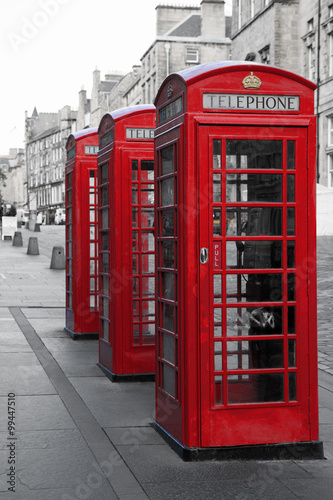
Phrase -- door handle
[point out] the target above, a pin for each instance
(204, 255)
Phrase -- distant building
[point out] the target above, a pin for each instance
(296, 35)
(46, 135)
(13, 189)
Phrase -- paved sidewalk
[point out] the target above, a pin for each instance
(79, 436)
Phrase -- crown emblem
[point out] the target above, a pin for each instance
(251, 82)
(169, 91)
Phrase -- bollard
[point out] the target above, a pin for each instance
(17, 240)
(37, 228)
(58, 258)
(33, 246)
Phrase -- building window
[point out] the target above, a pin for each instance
(330, 131)
(311, 63)
(192, 55)
(310, 25)
(239, 9)
(252, 8)
(330, 52)
(266, 2)
(330, 170)
(330, 11)
(265, 55)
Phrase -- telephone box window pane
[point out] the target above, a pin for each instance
(168, 223)
(92, 215)
(92, 231)
(105, 310)
(105, 290)
(216, 153)
(69, 181)
(136, 310)
(135, 241)
(92, 249)
(69, 215)
(256, 154)
(217, 322)
(105, 218)
(167, 160)
(136, 334)
(291, 155)
(135, 263)
(167, 192)
(70, 301)
(168, 254)
(148, 333)
(254, 287)
(254, 254)
(253, 188)
(168, 348)
(218, 356)
(217, 221)
(104, 173)
(92, 302)
(168, 380)
(292, 387)
(70, 267)
(69, 284)
(168, 317)
(292, 353)
(290, 221)
(148, 264)
(168, 286)
(291, 320)
(290, 188)
(148, 287)
(69, 197)
(105, 330)
(291, 287)
(147, 217)
(105, 241)
(92, 284)
(135, 197)
(243, 321)
(216, 188)
(290, 254)
(218, 390)
(255, 354)
(147, 241)
(135, 217)
(148, 310)
(105, 262)
(92, 267)
(147, 194)
(255, 388)
(104, 196)
(147, 170)
(69, 232)
(136, 292)
(217, 288)
(69, 250)
(254, 221)
(92, 197)
(135, 170)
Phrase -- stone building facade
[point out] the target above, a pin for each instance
(45, 136)
(13, 189)
(296, 35)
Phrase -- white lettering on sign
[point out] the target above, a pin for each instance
(251, 102)
(139, 133)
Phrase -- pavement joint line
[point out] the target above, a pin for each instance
(121, 479)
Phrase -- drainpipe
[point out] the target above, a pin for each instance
(167, 50)
(318, 88)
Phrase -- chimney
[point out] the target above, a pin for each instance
(212, 19)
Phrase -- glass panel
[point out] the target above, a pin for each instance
(254, 254)
(217, 221)
(148, 333)
(148, 287)
(291, 287)
(148, 263)
(168, 223)
(147, 241)
(69, 284)
(135, 165)
(92, 267)
(104, 173)
(105, 308)
(254, 287)
(147, 170)
(216, 153)
(92, 197)
(216, 188)
(105, 290)
(92, 231)
(136, 334)
(148, 310)
(290, 188)
(70, 267)
(168, 379)
(217, 322)
(136, 310)
(105, 262)
(105, 330)
(167, 160)
(105, 241)
(135, 241)
(168, 348)
(290, 221)
(70, 301)
(136, 282)
(135, 217)
(69, 215)
(253, 188)
(168, 284)
(255, 354)
(147, 217)
(105, 218)
(218, 390)
(254, 154)
(135, 258)
(255, 388)
(69, 231)
(290, 254)
(290, 155)
(92, 215)
(243, 321)
(168, 254)
(168, 317)
(92, 284)
(167, 192)
(291, 320)
(217, 288)
(292, 387)
(135, 198)
(292, 353)
(92, 249)
(69, 249)
(92, 302)
(254, 221)
(147, 194)
(218, 356)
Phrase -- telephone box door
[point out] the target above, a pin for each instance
(253, 285)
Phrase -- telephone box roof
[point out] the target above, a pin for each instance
(122, 112)
(82, 133)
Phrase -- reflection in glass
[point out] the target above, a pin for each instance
(104, 173)
(148, 286)
(253, 188)
(148, 310)
(217, 322)
(290, 155)
(168, 286)
(217, 221)
(105, 218)
(147, 217)
(290, 254)
(290, 221)
(135, 259)
(167, 192)
(135, 217)
(168, 223)
(263, 354)
(218, 356)
(147, 194)
(104, 196)
(292, 387)
(216, 188)
(135, 198)
(290, 188)
(254, 254)
(254, 287)
(168, 379)
(291, 320)
(261, 388)
(135, 166)
(147, 241)
(291, 287)
(136, 287)
(216, 153)
(168, 254)
(243, 321)
(168, 317)
(105, 262)
(217, 288)
(168, 348)
(292, 353)
(256, 154)
(167, 160)
(148, 263)
(147, 170)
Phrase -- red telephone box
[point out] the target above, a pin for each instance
(81, 234)
(236, 263)
(126, 243)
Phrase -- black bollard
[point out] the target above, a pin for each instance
(33, 246)
(17, 240)
(58, 260)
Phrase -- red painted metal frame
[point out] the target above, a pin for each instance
(187, 414)
(123, 353)
(81, 234)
